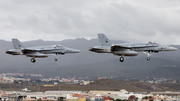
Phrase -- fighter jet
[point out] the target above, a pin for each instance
(39, 51)
(129, 49)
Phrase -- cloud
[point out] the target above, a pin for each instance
(132, 21)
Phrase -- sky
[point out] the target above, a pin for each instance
(57, 20)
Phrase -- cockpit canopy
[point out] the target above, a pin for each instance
(57, 46)
(152, 43)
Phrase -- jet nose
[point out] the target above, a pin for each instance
(173, 49)
(76, 51)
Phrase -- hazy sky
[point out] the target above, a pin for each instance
(56, 20)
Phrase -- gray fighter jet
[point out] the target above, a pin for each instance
(129, 49)
(39, 51)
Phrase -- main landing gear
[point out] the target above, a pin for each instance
(33, 60)
(121, 59)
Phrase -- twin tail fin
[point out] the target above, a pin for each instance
(104, 40)
(17, 44)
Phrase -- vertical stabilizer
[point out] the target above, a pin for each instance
(17, 44)
(104, 40)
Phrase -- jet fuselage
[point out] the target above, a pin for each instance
(39, 51)
(132, 49)
(129, 49)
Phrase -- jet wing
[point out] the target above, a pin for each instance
(29, 50)
(35, 54)
(43, 48)
(113, 47)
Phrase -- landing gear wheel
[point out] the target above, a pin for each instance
(55, 59)
(121, 59)
(33, 60)
(148, 58)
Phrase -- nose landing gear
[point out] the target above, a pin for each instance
(148, 58)
(55, 59)
(148, 55)
(56, 55)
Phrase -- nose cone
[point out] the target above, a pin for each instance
(76, 51)
(172, 49)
